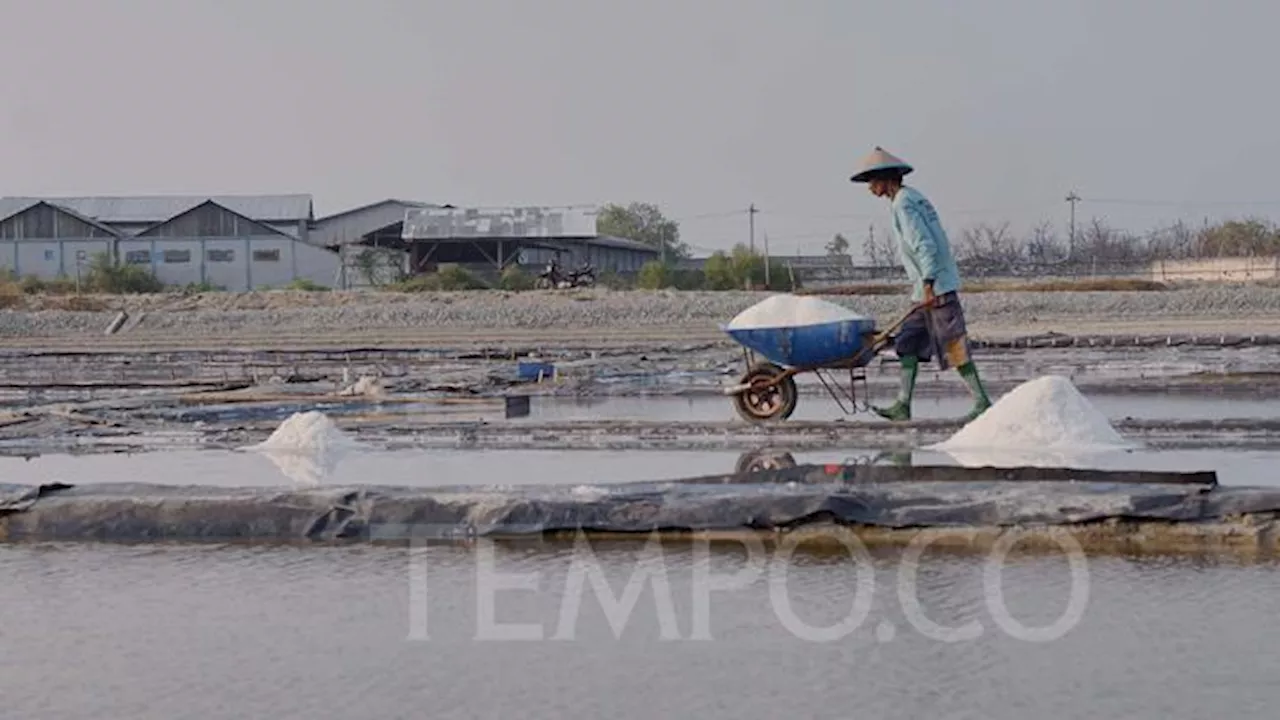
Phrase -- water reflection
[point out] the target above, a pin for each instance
(774, 458)
(1031, 457)
(779, 459)
(308, 468)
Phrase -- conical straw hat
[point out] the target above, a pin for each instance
(879, 160)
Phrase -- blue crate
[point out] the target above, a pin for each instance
(535, 371)
(808, 345)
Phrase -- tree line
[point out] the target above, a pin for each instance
(983, 247)
(994, 248)
(736, 269)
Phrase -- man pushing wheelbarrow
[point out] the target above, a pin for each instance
(936, 329)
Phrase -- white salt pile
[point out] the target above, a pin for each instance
(1044, 414)
(787, 310)
(306, 447)
(306, 431)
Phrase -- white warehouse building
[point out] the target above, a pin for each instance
(235, 242)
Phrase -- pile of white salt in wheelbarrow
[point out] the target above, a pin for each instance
(1042, 422)
(787, 311)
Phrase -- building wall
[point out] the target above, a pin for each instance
(50, 259)
(236, 264)
(210, 244)
(1228, 269)
(384, 265)
(299, 229)
(206, 244)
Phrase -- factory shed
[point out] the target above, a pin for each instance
(489, 240)
(235, 242)
(368, 240)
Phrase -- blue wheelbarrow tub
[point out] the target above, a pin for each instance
(807, 346)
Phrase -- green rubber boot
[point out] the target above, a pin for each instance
(981, 402)
(901, 410)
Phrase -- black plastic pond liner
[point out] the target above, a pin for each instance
(770, 500)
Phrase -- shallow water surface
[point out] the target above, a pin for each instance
(424, 468)
(821, 407)
(93, 631)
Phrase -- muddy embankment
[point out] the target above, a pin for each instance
(594, 318)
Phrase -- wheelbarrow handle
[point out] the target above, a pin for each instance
(905, 316)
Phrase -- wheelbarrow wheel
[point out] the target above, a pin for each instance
(764, 402)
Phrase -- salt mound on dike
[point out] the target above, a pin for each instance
(787, 310)
(1044, 414)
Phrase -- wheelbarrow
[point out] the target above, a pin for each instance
(775, 356)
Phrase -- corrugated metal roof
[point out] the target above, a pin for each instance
(453, 223)
(12, 206)
(622, 243)
(9, 210)
(404, 204)
(158, 208)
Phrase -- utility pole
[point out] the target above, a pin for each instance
(766, 260)
(1072, 198)
(751, 215)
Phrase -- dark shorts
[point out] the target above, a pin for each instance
(936, 332)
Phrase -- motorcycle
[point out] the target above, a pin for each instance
(584, 276)
(551, 277)
(554, 277)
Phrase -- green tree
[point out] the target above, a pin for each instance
(653, 275)
(105, 276)
(720, 272)
(741, 269)
(643, 222)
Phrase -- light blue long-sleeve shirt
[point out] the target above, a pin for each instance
(922, 244)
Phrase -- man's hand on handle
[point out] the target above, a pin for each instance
(929, 299)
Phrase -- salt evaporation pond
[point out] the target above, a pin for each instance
(284, 629)
(1045, 422)
(159, 632)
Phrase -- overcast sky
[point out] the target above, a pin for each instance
(700, 106)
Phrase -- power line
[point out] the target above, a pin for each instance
(1180, 203)
(710, 215)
